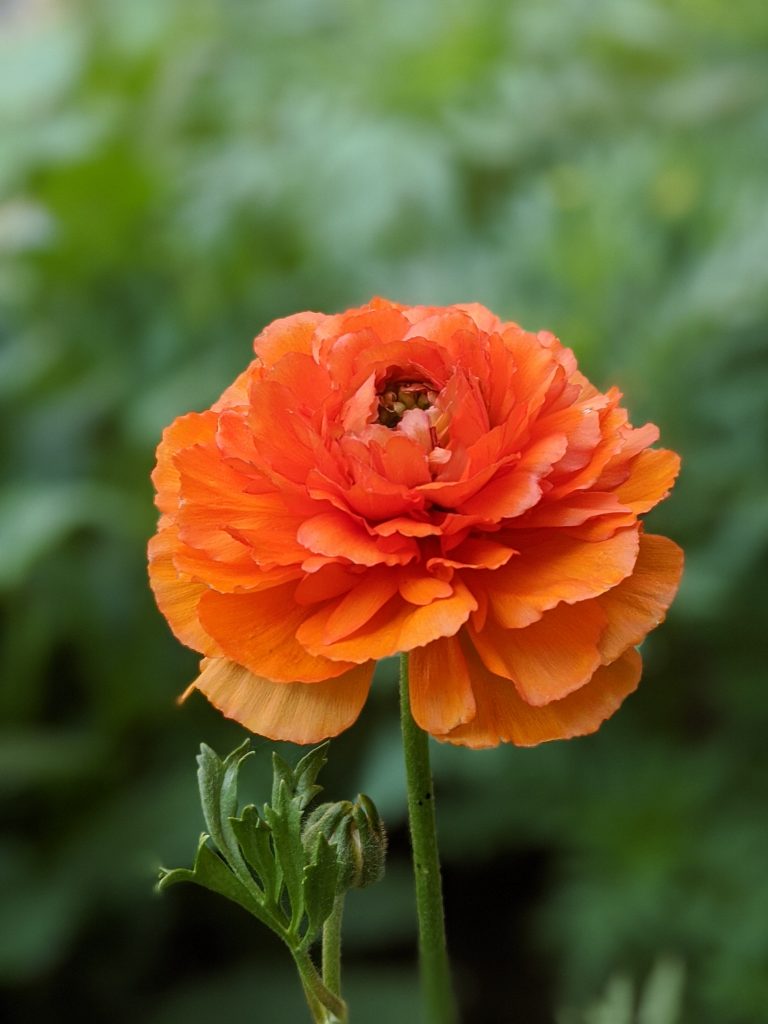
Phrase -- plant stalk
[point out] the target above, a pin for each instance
(437, 991)
(332, 948)
(325, 1006)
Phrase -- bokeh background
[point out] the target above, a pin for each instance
(176, 173)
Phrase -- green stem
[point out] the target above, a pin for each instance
(438, 995)
(325, 1006)
(332, 948)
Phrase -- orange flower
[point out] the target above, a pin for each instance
(417, 479)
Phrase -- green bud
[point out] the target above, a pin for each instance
(356, 833)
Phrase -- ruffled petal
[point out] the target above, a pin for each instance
(396, 627)
(502, 716)
(296, 712)
(550, 658)
(192, 429)
(440, 687)
(337, 535)
(553, 567)
(289, 334)
(177, 598)
(259, 631)
(639, 604)
(652, 474)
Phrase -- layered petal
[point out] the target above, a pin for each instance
(650, 480)
(549, 659)
(639, 604)
(297, 712)
(177, 598)
(552, 567)
(440, 686)
(502, 716)
(259, 630)
(396, 627)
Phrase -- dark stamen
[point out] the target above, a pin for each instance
(401, 395)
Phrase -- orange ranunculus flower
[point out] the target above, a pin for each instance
(419, 479)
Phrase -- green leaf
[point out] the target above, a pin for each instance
(300, 780)
(217, 780)
(281, 773)
(255, 839)
(284, 818)
(212, 873)
(306, 772)
(320, 884)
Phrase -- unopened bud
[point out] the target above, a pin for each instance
(356, 832)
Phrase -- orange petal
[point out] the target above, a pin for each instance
(338, 535)
(359, 605)
(297, 712)
(231, 577)
(550, 658)
(439, 686)
(651, 477)
(423, 588)
(639, 604)
(477, 553)
(406, 527)
(178, 599)
(504, 717)
(219, 516)
(329, 581)
(289, 334)
(397, 627)
(402, 460)
(575, 509)
(259, 631)
(194, 428)
(516, 490)
(554, 567)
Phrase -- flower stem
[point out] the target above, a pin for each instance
(439, 1001)
(325, 1006)
(332, 948)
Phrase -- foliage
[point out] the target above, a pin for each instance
(173, 176)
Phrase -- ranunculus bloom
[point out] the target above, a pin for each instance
(417, 479)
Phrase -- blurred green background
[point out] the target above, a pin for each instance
(176, 173)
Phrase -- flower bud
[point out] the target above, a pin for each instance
(356, 832)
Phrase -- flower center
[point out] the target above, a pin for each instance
(399, 396)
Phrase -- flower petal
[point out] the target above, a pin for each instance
(289, 334)
(397, 627)
(639, 604)
(339, 536)
(360, 604)
(178, 599)
(297, 712)
(259, 631)
(439, 686)
(651, 476)
(422, 588)
(553, 567)
(502, 716)
(194, 428)
(550, 658)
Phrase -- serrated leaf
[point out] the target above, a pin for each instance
(306, 772)
(255, 839)
(217, 781)
(284, 819)
(320, 883)
(212, 873)
(281, 772)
